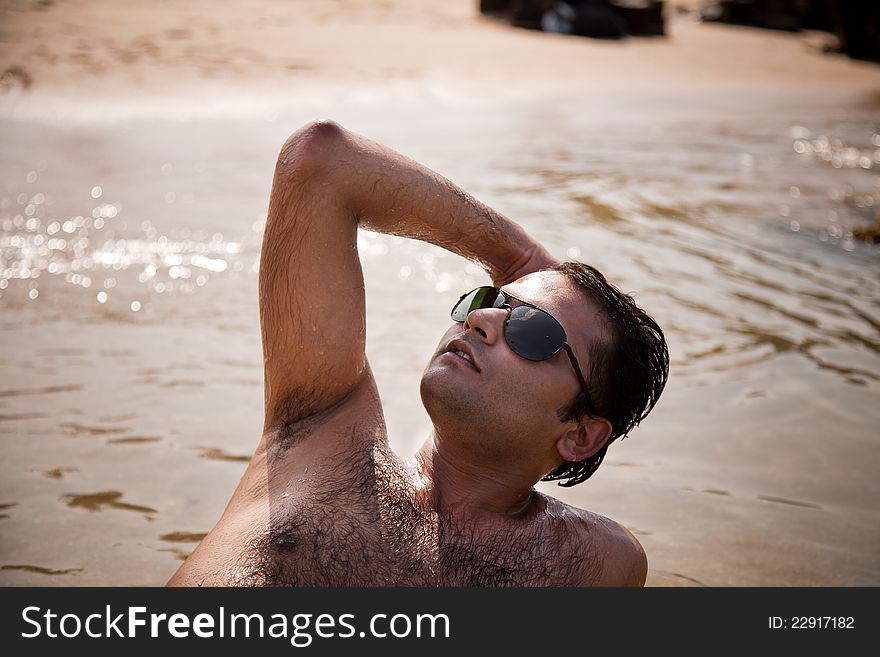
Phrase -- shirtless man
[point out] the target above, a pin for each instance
(526, 384)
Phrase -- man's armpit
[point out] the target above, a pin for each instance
(304, 412)
(296, 415)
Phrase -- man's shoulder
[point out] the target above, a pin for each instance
(618, 556)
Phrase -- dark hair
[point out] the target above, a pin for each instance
(626, 376)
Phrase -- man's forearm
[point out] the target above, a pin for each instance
(389, 193)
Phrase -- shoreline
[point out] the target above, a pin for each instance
(329, 99)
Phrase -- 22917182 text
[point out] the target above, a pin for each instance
(811, 623)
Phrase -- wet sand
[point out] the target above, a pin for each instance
(719, 173)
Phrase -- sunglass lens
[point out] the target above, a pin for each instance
(482, 297)
(533, 334)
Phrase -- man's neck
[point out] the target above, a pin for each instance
(452, 482)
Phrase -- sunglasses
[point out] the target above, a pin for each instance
(530, 332)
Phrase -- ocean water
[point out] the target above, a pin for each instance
(130, 359)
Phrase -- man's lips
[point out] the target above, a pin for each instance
(461, 349)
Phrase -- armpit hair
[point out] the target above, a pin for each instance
(298, 416)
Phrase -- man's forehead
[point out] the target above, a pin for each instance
(540, 286)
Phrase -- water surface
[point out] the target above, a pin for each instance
(130, 361)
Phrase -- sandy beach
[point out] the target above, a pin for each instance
(718, 172)
(97, 52)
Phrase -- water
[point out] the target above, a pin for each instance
(130, 365)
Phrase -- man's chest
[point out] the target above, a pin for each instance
(379, 534)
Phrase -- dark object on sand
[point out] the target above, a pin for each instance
(602, 19)
(770, 14)
(856, 24)
(591, 19)
(643, 17)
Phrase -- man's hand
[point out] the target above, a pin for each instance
(534, 259)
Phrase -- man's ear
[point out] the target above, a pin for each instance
(584, 439)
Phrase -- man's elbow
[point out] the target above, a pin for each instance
(311, 151)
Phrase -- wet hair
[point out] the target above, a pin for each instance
(626, 374)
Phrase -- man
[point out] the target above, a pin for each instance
(530, 382)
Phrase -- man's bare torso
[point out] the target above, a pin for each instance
(328, 503)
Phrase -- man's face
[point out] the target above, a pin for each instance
(501, 403)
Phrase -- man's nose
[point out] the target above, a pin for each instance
(488, 322)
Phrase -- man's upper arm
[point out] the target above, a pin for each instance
(312, 311)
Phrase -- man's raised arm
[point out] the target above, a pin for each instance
(327, 183)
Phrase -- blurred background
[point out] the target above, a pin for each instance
(717, 160)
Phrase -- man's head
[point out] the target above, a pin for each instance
(535, 416)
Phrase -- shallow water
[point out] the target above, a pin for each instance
(130, 361)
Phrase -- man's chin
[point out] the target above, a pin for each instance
(444, 391)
